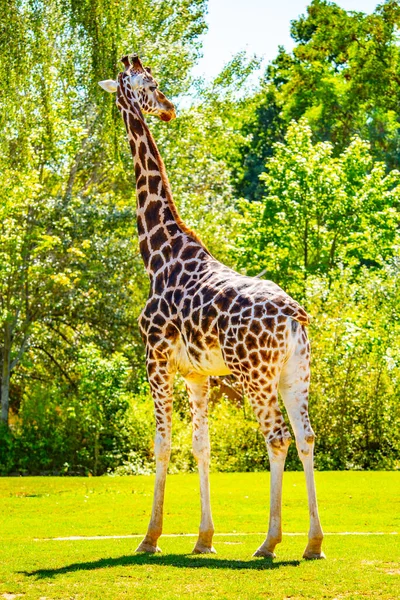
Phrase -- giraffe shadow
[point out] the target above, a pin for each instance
(169, 560)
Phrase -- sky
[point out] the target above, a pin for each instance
(257, 26)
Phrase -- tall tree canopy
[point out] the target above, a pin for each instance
(66, 209)
(343, 76)
(321, 211)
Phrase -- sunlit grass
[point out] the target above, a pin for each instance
(35, 509)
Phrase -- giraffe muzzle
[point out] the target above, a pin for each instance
(168, 116)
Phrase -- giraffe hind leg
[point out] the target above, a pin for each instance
(277, 437)
(293, 387)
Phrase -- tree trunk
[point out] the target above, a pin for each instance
(5, 375)
(96, 453)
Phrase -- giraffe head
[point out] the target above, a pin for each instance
(137, 88)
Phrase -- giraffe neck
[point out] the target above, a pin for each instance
(160, 227)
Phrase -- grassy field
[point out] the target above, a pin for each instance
(34, 510)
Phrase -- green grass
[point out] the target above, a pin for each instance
(35, 509)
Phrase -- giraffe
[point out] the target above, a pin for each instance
(203, 319)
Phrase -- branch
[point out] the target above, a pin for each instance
(64, 373)
(64, 337)
(20, 353)
(78, 158)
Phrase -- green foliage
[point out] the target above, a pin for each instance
(343, 76)
(353, 84)
(262, 127)
(70, 274)
(324, 225)
(79, 431)
(356, 370)
(320, 211)
(236, 440)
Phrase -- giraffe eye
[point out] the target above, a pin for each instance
(153, 87)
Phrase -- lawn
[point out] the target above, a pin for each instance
(35, 510)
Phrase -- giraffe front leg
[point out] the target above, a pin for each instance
(198, 397)
(162, 450)
(160, 379)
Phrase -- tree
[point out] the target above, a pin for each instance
(356, 368)
(320, 212)
(343, 76)
(66, 177)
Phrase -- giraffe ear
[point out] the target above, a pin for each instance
(109, 85)
(148, 69)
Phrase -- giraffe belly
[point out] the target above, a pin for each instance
(206, 362)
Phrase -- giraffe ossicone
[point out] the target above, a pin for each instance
(203, 319)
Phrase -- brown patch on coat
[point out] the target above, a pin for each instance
(153, 183)
(152, 214)
(158, 239)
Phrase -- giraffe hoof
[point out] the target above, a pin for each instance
(308, 555)
(202, 549)
(265, 553)
(148, 548)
